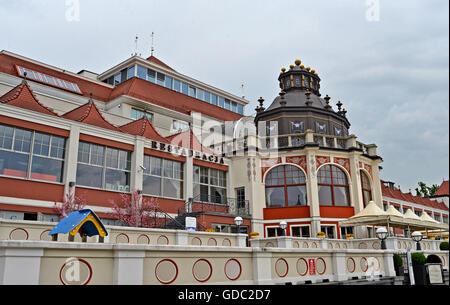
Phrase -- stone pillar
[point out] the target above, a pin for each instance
(339, 266)
(262, 270)
(313, 191)
(356, 196)
(137, 160)
(241, 240)
(284, 242)
(188, 178)
(20, 265)
(376, 187)
(182, 238)
(388, 262)
(128, 267)
(70, 162)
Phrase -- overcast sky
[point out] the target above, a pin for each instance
(387, 61)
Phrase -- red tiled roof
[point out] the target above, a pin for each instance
(443, 190)
(22, 96)
(408, 197)
(187, 139)
(155, 60)
(89, 114)
(153, 93)
(100, 92)
(143, 127)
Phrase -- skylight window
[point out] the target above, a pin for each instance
(44, 78)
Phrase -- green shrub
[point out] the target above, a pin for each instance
(444, 246)
(418, 258)
(398, 260)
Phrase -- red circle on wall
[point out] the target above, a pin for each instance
(81, 261)
(176, 271)
(210, 270)
(306, 264)
(287, 267)
(240, 269)
(18, 229)
(324, 265)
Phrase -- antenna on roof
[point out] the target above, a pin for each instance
(242, 91)
(153, 49)
(136, 46)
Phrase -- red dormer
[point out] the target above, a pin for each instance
(143, 127)
(22, 96)
(89, 114)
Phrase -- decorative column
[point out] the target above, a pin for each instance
(137, 161)
(70, 162)
(20, 265)
(128, 266)
(313, 190)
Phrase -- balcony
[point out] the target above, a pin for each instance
(204, 204)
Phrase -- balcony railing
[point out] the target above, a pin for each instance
(216, 204)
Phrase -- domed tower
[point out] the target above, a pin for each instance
(299, 107)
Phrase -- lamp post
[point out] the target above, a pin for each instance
(417, 237)
(382, 234)
(238, 221)
(283, 226)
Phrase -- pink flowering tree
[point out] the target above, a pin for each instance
(135, 211)
(70, 203)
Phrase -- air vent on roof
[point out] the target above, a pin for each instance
(47, 79)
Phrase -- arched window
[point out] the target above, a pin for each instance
(366, 190)
(333, 186)
(285, 186)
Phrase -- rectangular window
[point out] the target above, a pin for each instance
(300, 231)
(176, 85)
(329, 231)
(103, 167)
(240, 109)
(227, 104)
(41, 77)
(130, 72)
(234, 106)
(160, 79)
(200, 94)
(192, 91)
(151, 75)
(210, 185)
(163, 177)
(214, 99)
(137, 114)
(274, 232)
(19, 147)
(207, 97)
(179, 125)
(142, 72)
(185, 88)
(169, 82)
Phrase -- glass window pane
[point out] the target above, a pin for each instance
(112, 157)
(227, 104)
(196, 174)
(176, 85)
(240, 109)
(142, 72)
(22, 140)
(234, 106)
(200, 94)
(168, 168)
(151, 75)
(177, 170)
(185, 88)
(324, 174)
(340, 196)
(168, 82)
(117, 79)
(207, 97)
(204, 175)
(117, 180)
(46, 169)
(130, 72)
(275, 196)
(124, 160)
(325, 195)
(217, 195)
(41, 144)
(89, 175)
(152, 185)
(83, 152)
(214, 99)
(192, 91)
(13, 164)
(296, 195)
(6, 136)
(97, 154)
(339, 176)
(172, 188)
(221, 101)
(156, 166)
(160, 79)
(57, 147)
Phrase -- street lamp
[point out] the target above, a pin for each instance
(382, 234)
(283, 226)
(417, 237)
(238, 221)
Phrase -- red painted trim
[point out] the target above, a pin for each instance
(196, 238)
(176, 273)
(24, 208)
(354, 264)
(40, 236)
(324, 264)
(34, 126)
(240, 269)
(286, 212)
(215, 241)
(210, 270)
(80, 260)
(307, 267)
(210, 165)
(146, 236)
(287, 267)
(128, 239)
(162, 236)
(16, 229)
(28, 189)
(336, 212)
(360, 264)
(105, 142)
(225, 239)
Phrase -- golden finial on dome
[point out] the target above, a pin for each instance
(298, 62)
(302, 66)
(308, 68)
(283, 69)
(316, 73)
(291, 66)
(313, 71)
